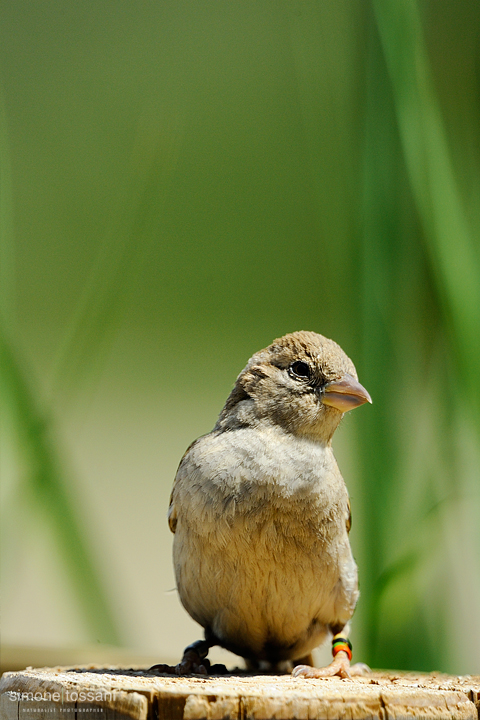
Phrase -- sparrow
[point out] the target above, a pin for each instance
(261, 514)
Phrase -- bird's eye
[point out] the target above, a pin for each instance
(300, 370)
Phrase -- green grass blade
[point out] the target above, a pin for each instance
(449, 240)
(24, 425)
(46, 488)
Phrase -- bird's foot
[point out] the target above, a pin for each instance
(340, 666)
(196, 667)
(194, 660)
(191, 662)
(162, 669)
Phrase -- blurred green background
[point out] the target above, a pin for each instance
(182, 182)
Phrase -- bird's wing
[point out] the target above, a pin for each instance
(172, 514)
(349, 518)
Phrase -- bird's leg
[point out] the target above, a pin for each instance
(194, 660)
(340, 665)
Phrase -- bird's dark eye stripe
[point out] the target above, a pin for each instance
(300, 370)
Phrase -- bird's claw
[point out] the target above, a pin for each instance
(306, 671)
(162, 669)
(360, 669)
(339, 666)
(191, 663)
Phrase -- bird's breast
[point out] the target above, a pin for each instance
(260, 539)
(249, 471)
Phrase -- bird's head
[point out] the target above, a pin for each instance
(303, 382)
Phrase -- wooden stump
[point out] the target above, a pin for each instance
(95, 693)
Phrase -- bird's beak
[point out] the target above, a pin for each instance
(345, 394)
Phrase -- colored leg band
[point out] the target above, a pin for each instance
(342, 644)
